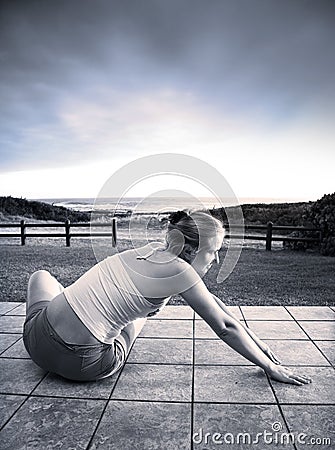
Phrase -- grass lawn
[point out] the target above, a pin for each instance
(279, 277)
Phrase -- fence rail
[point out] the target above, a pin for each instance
(67, 225)
(268, 229)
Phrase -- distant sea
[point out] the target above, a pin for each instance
(154, 205)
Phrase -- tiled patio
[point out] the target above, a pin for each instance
(180, 388)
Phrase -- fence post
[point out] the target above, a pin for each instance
(114, 232)
(23, 232)
(67, 232)
(269, 236)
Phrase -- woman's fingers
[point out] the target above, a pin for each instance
(286, 375)
(303, 379)
(290, 378)
(294, 381)
(299, 379)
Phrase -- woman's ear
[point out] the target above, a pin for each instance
(188, 253)
(176, 241)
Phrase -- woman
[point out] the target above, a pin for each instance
(85, 331)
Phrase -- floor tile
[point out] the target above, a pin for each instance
(168, 328)
(311, 312)
(165, 351)
(8, 405)
(11, 324)
(265, 313)
(328, 348)
(54, 385)
(210, 351)
(277, 329)
(53, 423)
(231, 384)
(175, 312)
(234, 309)
(17, 350)
(18, 311)
(313, 421)
(6, 340)
(321, 390)
(238, 426)
(297, 353)
(204, 331)
(8, 306)
(150, 406)
(319, 330)
(154, 382)
(144, 425)
(19, 376)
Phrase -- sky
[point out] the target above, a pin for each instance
(89, 86)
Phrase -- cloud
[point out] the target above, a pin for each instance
(81, 80)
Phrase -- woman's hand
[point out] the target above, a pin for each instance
(269, 353)
(285, 375)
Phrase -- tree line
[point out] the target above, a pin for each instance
(12, 206)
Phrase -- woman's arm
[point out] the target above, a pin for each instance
(231, 331)
(262, 345)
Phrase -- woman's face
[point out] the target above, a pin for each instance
(206, 255)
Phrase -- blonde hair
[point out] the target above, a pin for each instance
(188, 230)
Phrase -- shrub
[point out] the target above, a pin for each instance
(322, 215)
(12, 206)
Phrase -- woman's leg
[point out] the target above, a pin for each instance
(42, 287)
(130, 332)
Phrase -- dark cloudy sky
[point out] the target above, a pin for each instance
(247, 85)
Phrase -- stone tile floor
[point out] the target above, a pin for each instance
(181, 388)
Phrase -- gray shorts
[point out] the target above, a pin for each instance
(75, 362)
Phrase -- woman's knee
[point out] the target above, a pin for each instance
(42, 286)
(37, 278)
(39, 274)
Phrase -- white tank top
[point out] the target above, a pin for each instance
(105, 299)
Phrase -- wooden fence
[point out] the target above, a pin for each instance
(67, 225)
(268, 235)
